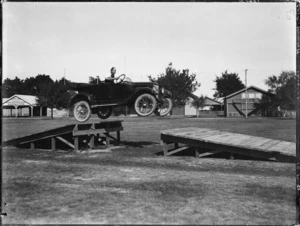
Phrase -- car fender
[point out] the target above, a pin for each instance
(81, 96)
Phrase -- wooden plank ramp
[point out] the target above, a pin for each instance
(75, 130)
(234, 143)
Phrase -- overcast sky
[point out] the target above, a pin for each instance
(140, 39)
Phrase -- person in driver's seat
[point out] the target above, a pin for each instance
(113, 71)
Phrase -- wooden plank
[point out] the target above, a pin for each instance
(269, 144)
(110, 136)
(208, 153)
(65, 141)
(177, 150)
(92, 137)
(92, 141)
(39, 136)
(87, 132)
(95, 131)
(232, 139)
(225, 139)
(107, 138)
(197, 152)
(231, 142)
(76, 143)
(118, 137)
(255, 143)
(53, 143)
(285, 147)
(165, 149)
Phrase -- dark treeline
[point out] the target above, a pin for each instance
(50, 93)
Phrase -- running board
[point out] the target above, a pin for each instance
(103, 105)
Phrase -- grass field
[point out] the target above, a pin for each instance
(133, 184)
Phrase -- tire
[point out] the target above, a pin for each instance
(82, 111)
(104, 112)
(164, 108)
(145, 104)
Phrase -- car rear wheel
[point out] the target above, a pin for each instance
(104, 112)
(82, 111)
(164, 107)
(145, 104)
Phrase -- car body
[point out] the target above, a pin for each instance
(102, 96)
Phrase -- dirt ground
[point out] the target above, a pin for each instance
(134, 184)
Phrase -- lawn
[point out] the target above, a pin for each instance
(134, 184)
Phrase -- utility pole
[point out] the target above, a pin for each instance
(64, 76)
(125, 63)
(246, 93)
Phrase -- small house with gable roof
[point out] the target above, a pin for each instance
(242, 102)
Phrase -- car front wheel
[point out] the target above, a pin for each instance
(164, 107)
(145, 104)
(82, 111)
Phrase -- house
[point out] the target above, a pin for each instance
(235, 103)
(22, 105)
(211, 106)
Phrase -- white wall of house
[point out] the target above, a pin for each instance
(58, 113)
(188, 109)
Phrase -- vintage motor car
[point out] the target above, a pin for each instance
(100, 97)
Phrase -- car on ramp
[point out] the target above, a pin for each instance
(100, 97)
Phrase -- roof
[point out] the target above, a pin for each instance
(212, 100)
(28, 99)
(193, 96)
(244, 89)
(218, 102)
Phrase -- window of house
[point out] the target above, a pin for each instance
(258, 95)
(251, 95)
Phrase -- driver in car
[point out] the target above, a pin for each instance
(113, 71)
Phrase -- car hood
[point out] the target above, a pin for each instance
(144, 84)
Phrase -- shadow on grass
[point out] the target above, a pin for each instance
(138, 144)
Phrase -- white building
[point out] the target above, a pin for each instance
(22, 106)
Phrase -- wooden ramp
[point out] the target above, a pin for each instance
(217, 141)
(70, 135)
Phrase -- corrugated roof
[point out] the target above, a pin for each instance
(29, 99)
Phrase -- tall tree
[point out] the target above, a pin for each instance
(45, 92)
(284, 87)
(11, 87)
(181, 84)
(198, 103)
(52, 94)
(62, 96)
(227, 84)
(30, 86)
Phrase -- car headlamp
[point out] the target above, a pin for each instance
(156, 88)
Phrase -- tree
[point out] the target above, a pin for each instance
(45, 92)
(52, 94)
(181, 84)
(197, 103)
(227, 84)
(284, 87)
(266, 105)
(62, 96)
(30, 86)
(11, 87)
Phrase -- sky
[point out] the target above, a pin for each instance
(79, 40)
